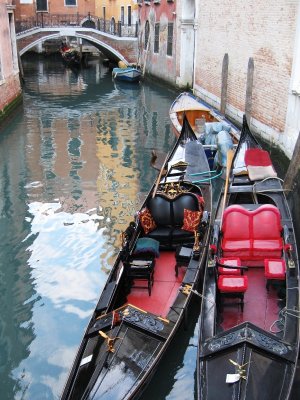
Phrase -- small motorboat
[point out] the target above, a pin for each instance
(128, 74)
(198, 114)
(217, 134)
(249, 319)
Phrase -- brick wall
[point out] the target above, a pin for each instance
(262, 29)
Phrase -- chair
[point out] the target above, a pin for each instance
(232, 286)
(274, 271)
(138, 269)
(230, 270)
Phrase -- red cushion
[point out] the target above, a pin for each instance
(231, 262)
(236, 245)
(275, 269)
(232, 283)
(236, 223)
(191, 220)
(252, 234)
(266, 223)
(147, 221)
(257, 157)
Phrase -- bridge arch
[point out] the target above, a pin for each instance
(113, 47)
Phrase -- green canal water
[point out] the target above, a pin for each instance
(74, 167)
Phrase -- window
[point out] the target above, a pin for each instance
(170, 39)
(122, 16)
(129, 16)
(70, 2)
(147, 32)
(112, 27)
(41, 5)
(103, 10)
(156, 38)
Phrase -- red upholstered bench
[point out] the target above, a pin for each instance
(252, 235)
(233, 286)
(274, 271)
(232, 262)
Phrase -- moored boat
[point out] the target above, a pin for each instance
(151, 282)
(71, 57)
(198, 114)
(129, 74)
(212, 128)
(249, 319)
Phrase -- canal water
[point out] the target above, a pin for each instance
(74, 167)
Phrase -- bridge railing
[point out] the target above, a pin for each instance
(47, 20)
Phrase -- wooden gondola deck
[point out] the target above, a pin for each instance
(261, 307)
(165, 287)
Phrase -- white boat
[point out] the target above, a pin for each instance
(129, 74)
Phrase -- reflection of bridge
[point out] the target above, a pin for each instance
(112, 46)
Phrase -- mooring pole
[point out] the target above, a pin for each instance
(293, 167)
(249, 89)
(224, 83)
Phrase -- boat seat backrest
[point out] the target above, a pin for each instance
(252, 234)
(170, 212)
(266, 223)
(236, 223)
(160, 209)
(262, 223)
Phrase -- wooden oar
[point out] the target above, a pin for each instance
(230, 154)
(159, 176)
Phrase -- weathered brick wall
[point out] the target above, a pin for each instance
(9, 91)
(262, 29)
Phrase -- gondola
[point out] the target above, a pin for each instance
(249, 319)
(70, 56)
(151, 282)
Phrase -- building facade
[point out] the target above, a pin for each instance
(157, 39)
(26, 9)
(117, 11)
(10, 88)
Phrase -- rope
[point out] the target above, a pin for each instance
(208, 179)
(282, 314)
(203, 297)
(203, 173)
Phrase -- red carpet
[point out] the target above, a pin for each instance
(164, 289)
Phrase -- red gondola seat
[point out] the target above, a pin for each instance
(232, 286)
(232, 262)
(274, 271)
(252, 235)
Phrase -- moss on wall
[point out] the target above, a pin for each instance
(9, 108)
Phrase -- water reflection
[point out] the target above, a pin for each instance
(74, 167)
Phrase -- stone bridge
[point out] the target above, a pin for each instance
(113, 47)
